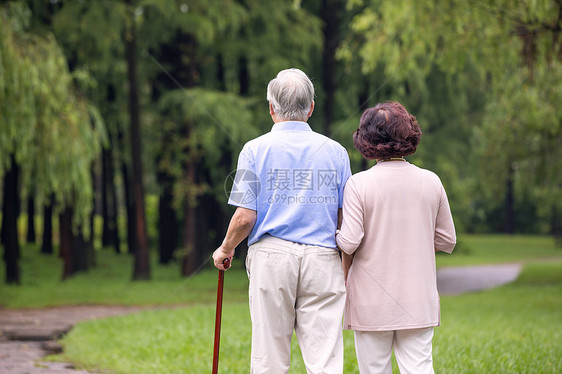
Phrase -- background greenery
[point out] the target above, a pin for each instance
(120, 122)
(81, 82)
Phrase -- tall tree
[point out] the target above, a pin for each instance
(47, 122)
(30, 233)
(110, 232)
(141, 268)
(10, 224)
(92, 35)
(47, 235)
(180, 58)
(332, 12)
(127, 196)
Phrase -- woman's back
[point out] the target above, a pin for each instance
(397, 215)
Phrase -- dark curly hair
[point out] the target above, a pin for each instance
(387, 130)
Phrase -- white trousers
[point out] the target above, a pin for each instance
(300, 287)
(412, 349)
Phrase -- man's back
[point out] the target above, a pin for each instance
(288, 188)
(300, 177)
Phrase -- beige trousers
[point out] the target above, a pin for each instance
(300, 287)
(412, 349)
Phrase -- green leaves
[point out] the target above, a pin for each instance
(47, 123)
(480, 74)
(216, 122)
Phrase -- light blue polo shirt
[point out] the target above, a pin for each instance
(294, 179)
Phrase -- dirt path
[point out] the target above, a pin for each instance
(30, 334)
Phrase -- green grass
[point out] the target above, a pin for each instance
(511, 329)
(110, 283)
(488, 249)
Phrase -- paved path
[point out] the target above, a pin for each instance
(457, 280)
(28, 335)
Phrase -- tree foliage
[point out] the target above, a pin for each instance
(481, 76)
(496, 62)
(47, 123)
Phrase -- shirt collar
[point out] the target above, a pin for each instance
(291, 126)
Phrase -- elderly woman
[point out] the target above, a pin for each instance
(395, 217)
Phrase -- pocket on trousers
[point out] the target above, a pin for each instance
(248, 262)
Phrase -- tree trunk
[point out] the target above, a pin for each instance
(75, 251)
(110, 233)
(65, 239)
(189, 244)
(191, 251)
(509, 202)
(189, 75)
(47, 242)
(168, 223)
(105, 241)
(168, 226)
(30, 219)
(141, 268)
(114, 227)
(363, 105)
(10, 223)
(330, 13)
(243, 76)
(90, 242)
(82, 252)
(130, 207)
(104, 205)
(220, 73)
(128, 196)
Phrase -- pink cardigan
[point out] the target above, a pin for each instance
(395, 216)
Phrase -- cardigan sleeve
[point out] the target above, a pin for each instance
(445, 237)
(352, 231)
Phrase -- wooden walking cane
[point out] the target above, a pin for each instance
(218, 316)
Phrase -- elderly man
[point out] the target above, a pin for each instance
(288, 189)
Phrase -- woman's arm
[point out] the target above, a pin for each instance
(445, 236)
(352, 230)
(346, 261)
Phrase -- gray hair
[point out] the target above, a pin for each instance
(291, 94)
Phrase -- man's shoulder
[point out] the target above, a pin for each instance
(258, 140)
(332, 146)
(253, 146)
(269, 139)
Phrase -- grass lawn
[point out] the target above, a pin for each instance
(512, 329)
(110, 282)
(488, 249)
